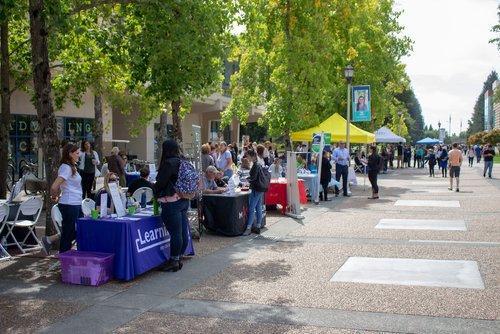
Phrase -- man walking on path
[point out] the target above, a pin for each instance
(455, 161)
(341, 158)
(477, 148)
(488, 155)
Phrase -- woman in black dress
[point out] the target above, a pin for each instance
(326, 175)
(373, 169)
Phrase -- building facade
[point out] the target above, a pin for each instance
(496, 105)
(76, 123)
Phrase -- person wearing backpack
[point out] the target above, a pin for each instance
(259, 180)
(173, 190)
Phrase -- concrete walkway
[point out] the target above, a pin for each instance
(420, 265)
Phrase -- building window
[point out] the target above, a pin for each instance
(214, 131)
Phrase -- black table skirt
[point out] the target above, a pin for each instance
(226, 215)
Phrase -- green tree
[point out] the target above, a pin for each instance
(415, 120)
(176, 51)
(292, 54)
(496, 29)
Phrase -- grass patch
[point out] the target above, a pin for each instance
(496, 159)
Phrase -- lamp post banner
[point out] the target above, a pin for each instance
(361, 104)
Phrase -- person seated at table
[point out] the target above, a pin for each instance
(208, 182)
(244, 170)
(220, 179)
(109, 179)
(360, 166)
(275, 169)
(141, 182)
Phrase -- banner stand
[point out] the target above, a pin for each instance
(292, 193)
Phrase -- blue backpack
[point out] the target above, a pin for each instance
(188, 180)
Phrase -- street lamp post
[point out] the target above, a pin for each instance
(439, 130)
(348, 74)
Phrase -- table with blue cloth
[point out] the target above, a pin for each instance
(131, 177)
(140, 242)
(311, 183)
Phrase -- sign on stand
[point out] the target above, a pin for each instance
(292, 193)
(318, 145)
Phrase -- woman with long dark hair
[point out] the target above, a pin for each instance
(67, 190)
(173, 207)
(373, 170)
(89, 159)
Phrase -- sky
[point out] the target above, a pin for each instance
(451, 56)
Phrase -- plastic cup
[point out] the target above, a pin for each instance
(94, 214)
(131, 210)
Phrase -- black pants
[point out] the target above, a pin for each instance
(431, 170)
(87, 181)
(341, 170)
(69, 213)
(471, 161)
(324, 194)
(372, 176)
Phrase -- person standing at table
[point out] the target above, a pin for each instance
(225, 160)
(341, 158)
(256, 196)
(206, 158)
(67, 191)
(173, 207)
(89, 159)
(326, 176)
(116, 164)
(373, 170)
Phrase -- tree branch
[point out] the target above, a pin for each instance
(26, 41)
(96, 3)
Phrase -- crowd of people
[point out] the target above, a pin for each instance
(220, 161)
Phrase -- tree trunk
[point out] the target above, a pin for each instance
(5, 116)
(98, 126)
(162, 132)
(47, 135)
(176, 121)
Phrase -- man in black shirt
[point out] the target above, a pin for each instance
(143, 181)
(400, 155)
(488, 154)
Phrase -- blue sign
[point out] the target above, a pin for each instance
(361, 104)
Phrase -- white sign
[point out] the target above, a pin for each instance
(117, 199)
(104, 205)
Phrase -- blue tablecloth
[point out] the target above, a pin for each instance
(139, 245)
(131, 177)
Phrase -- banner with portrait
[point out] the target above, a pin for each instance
(361, 104)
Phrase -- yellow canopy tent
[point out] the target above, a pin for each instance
(336, 125)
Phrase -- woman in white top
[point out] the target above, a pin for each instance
(87, 167)
(67, 191)
(471, 154)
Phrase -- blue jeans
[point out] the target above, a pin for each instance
(488, 166)
(174, 216)
(69, 213)
(255, 206)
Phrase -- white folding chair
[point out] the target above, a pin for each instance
(4, 214)
(143, 190)
(56, 215)
(87, 206)
(31, 207)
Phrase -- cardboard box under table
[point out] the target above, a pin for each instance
(140, 242)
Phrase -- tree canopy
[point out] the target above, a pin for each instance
(292, 54)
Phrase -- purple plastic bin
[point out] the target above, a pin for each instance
(86, 268)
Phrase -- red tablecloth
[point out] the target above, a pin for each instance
(276, 194)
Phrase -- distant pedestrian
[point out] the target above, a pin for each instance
(455, 161)
(431, 158)
(478, 151)
(116, 165)
(443, 162)
(373, 170)
(488, 155)
(341, 158)
(470, 155)
(400, 155)
(87, 167)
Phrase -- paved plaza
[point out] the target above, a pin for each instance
(422, 259)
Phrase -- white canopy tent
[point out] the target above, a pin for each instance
(385, 135)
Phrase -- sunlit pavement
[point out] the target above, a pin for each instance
(426, 264)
